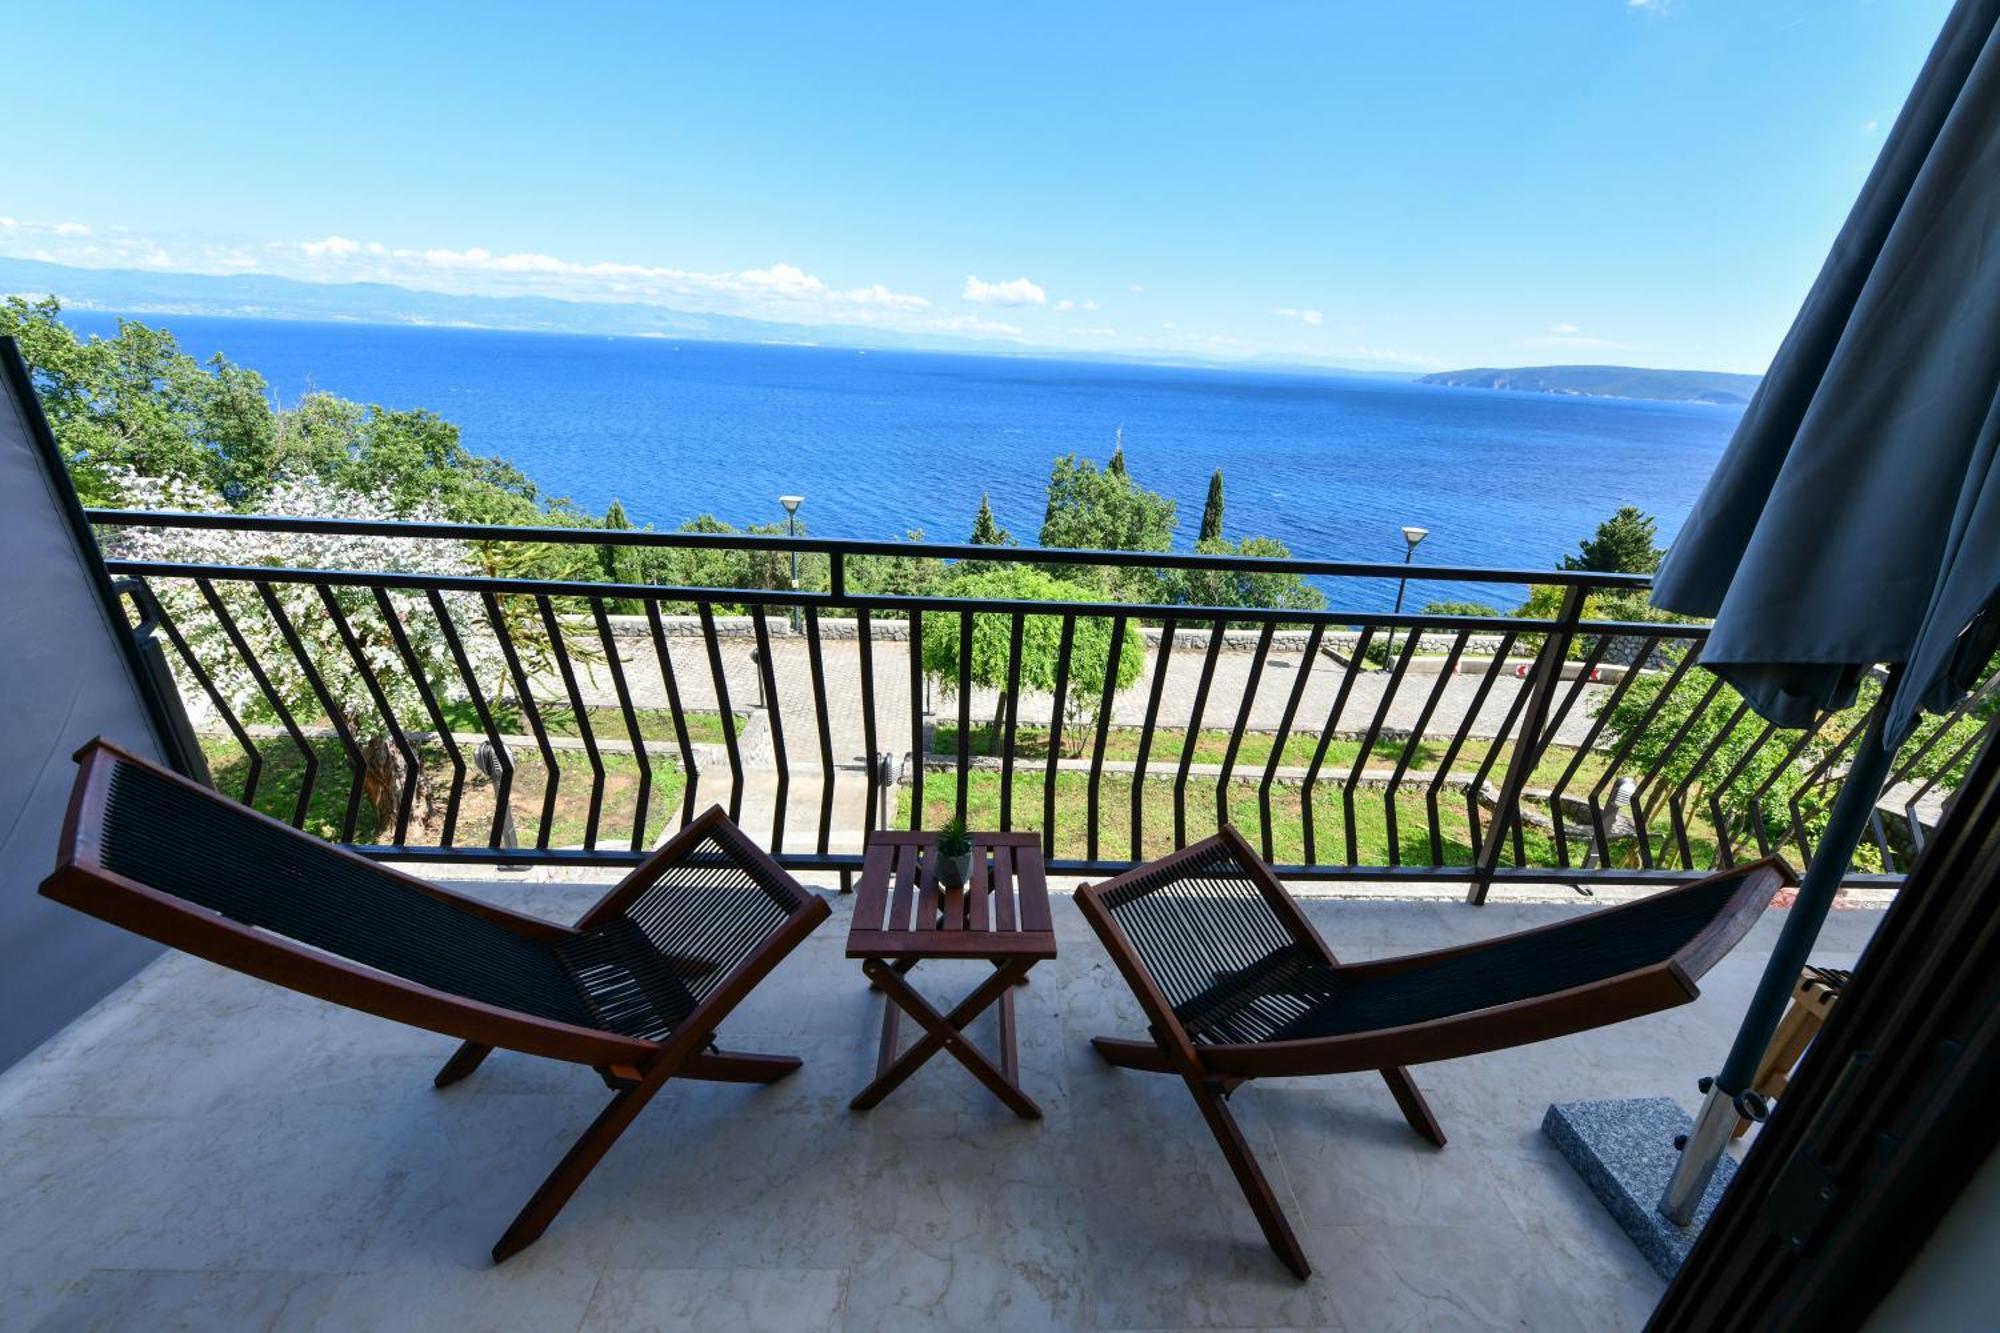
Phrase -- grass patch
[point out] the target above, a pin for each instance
(283, 774)
(1211, 746)
(606, 722)
(1371, 820)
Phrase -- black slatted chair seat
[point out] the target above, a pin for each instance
(1234, 975)
(638, 975)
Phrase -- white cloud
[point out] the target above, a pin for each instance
(1014, 291)
(1312, 317)
(1137, 287)
(1870, 125)
(1564, 328)
(979, 324)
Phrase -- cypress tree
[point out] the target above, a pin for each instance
(986, 530)
(615, 558)
(1211, 513)
(1116, 467)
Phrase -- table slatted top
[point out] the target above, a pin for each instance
(901, 912)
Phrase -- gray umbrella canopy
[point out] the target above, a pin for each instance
(1855, 518)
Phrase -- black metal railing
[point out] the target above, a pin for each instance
(429, 713)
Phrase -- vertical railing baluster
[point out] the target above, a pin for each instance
(358, 654)
(420, 681)
(1106, 699)
(818, 672)
(1064, 646)
(1496, 667)
(308, 759)
(525, 697)
(917, 747)
(720, 678)
(253, 758)
(1160, 666)
(1010, 701)
(964, 708)
(864, 639)
(1587, 746)
(670, 680)
(1333, 717)
(1366, 750)
(1543, 680)
(1725, 844)
(1657, 771)
(1284, 735)
(774, 719)
(614, 661)
(335, 715)
(584, 731)
(1676, 814)
(1263, 651)
(1216, 633)
(1416, 739)
(503, 784)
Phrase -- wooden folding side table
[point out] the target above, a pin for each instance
(901, 917)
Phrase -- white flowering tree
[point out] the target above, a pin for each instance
(362, 666)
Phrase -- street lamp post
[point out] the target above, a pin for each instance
(791, 504)
(1412, 534)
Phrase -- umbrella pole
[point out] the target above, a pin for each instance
(1722, 1106)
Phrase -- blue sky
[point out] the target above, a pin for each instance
(1378, 185)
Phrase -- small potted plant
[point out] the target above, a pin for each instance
(954, 849)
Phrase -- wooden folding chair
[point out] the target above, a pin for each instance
(635, 989)
(1237, 985)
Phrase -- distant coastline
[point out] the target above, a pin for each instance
(1674, 386)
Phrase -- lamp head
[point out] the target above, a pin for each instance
(791, 502)
(1414, 534)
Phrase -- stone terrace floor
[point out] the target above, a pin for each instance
(205, 1151)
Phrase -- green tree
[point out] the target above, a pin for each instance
(1622, 544)
(1715, 758)
(986, 530)
(1116, 466)
(1459, 609)
(899, 575)
(1211, 512)
(1107, 511)
(1236, 587)
(1041, 643)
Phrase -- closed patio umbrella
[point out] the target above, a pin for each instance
(1855, 519)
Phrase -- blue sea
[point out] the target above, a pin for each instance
(883, 443)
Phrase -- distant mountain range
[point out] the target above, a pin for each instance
(1680, 386)
(148, 293)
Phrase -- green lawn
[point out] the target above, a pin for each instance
(284, 770)
(606, 723)
(1211, 746)
(1371, 820)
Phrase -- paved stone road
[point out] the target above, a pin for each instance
(1449, 699)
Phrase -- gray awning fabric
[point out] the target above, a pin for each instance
(1855, 518)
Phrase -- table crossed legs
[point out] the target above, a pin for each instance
(946, 1032)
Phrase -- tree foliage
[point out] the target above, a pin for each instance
(1622, 544)
(1041, 641)
(1234, 587)
(986, 530)
(1211, 511)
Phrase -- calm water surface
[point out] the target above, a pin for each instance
(881, 443)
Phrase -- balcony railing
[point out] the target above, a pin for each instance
(439, 716)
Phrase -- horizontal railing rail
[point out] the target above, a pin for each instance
(452, 716)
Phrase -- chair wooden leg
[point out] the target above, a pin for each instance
(574, 1168)
(1250, 1177)
(463, 1061)
(1126, 1053)
(738, 1067)
(1415, 1109)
